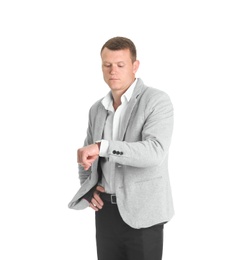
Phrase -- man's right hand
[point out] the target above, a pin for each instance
(87, 155)
(96, 201)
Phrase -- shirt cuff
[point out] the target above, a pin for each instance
(104, 145)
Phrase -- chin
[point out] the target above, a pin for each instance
(114, 86)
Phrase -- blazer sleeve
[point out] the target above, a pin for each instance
(83, 174)
(156, 134)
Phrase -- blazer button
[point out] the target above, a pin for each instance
(114, 152)
(121, 153)
(118, 152)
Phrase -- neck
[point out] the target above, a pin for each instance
(116, 101)
(116, 95)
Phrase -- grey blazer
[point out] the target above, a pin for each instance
(143, 189)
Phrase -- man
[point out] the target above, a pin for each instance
(123, 165)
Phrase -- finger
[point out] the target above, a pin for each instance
(85, 166)
(97, 202)
(100, 188)
(93, 207)
(87, 161)
(82, 156)
(78, 156)
(90, 160)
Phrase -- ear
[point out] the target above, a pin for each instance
(136, 66)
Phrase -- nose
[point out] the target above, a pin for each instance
(113, 70)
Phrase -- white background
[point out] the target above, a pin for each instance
(50, 74)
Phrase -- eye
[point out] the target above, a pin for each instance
(120, 65)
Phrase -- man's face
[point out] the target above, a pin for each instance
(118, 69)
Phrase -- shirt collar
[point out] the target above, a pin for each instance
(107, 100)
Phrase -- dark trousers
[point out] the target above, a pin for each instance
(118, 241)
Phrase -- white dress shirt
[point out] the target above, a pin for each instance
(111, 130)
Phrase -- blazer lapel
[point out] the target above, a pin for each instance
(100, 120)
(137, 91)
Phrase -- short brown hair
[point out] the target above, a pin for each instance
(121, 43)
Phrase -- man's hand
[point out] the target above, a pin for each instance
(96, 202)
(87, 155)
